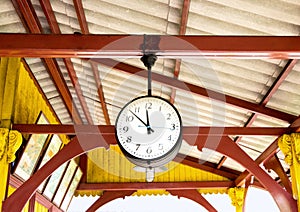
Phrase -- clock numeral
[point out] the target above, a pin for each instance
(168, 116)
(137, 147)
(149, 150)
(128, 139)
(160, 146)
(125, 129)
(129, 118)
(148, 105)
(169, 137)
(173, 127)
(137, 109)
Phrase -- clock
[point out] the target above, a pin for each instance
(149, 131)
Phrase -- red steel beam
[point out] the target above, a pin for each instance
(184, 16)
(132, 186)
(50, 16)
(81, 16)
(175, 83)
(100, 92)
(177, 46)
(110, 130)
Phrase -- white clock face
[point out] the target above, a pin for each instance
(148, 127)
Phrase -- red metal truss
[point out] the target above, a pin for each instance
(110, 130)
(83, 143)
(81, 16)
(111, 46)
(100, 93)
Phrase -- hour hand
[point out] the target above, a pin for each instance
(148, 127)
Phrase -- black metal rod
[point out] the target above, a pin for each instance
(149, 82)
(149, 60)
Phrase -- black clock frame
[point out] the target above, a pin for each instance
(154, 162)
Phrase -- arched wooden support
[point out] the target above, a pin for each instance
(226, 146)
(195, 196)
(79, 145)
(108, 196)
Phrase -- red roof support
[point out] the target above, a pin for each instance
(110, 130)
(111, 46)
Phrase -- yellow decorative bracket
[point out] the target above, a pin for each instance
(237, 196)
(290, 146)
(10, 141)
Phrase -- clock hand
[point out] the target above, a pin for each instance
(148, 124)
(142, 121)
(169, 128)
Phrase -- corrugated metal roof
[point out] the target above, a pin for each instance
(246, 79)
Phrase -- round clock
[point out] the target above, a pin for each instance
(149, 131)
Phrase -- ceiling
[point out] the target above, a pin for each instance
(84, 91)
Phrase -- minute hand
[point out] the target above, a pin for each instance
(148, 127)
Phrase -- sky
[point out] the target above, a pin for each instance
(257, 200)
